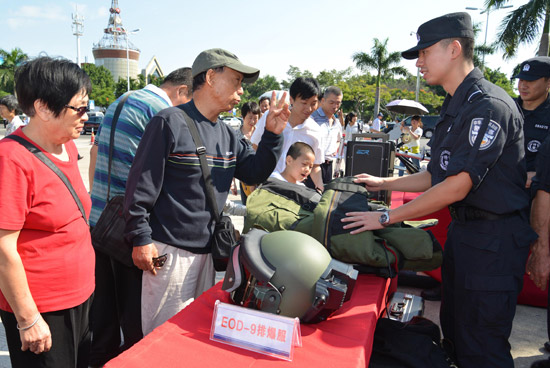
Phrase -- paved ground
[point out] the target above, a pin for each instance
(528, 334)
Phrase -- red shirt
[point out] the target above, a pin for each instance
(54, 242)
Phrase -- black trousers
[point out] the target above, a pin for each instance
(482, 275)
(116, 307)
(326, 171)
(70, 339)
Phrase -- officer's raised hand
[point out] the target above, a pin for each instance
(278, 114)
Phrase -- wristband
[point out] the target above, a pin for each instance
(29, 326)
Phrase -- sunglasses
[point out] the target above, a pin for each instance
(79, 110)
(159, 261)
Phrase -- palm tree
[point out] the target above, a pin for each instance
(382, 61)
(523, 25)
(9, 61)
(480, 51)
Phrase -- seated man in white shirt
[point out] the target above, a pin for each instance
(300, 127)
(299, 162)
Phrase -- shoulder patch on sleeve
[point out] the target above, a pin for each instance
(490, 135)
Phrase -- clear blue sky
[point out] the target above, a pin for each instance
(270, 35)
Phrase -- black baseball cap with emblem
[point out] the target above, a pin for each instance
(447, 26)
(215, 58)
(534, 68)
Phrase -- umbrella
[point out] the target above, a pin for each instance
(408, 107)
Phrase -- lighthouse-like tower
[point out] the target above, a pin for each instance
(115, 51)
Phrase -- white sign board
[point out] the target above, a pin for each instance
(255, 330)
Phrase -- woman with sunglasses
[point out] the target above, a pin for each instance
(46, 255)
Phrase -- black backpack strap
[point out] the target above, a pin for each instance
(42, 157)
(206, 174)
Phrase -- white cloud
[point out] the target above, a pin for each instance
(26, 16)
(47, 12)
(89, 12)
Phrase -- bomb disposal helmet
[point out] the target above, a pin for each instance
(287, 273)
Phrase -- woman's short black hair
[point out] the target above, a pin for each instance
(250, 106)
(305, 88)
(53, 81)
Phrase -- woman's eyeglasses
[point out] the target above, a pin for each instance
(79, 110)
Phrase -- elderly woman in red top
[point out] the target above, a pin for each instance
(46, 255)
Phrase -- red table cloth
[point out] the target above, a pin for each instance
(344, 340)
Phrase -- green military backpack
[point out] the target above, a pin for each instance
(393, 248)
(278, 205)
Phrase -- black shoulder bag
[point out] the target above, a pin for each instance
(45, 159)
(108, 232)
(224, 232)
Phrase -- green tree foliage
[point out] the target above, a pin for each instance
(500, 79)
(293, 73)
(9, 61)
(358, 94)
(121, 87)
(382, 62)
(156, 80)
(103, 85)
(327, 78)
(523, 25)
(260, 86)
(480, 50)
(253, 91)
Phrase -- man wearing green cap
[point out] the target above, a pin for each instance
(166, 207)
(477, 170)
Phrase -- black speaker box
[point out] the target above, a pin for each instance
(374, 158)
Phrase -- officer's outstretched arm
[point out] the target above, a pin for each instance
(418, 182)
(451, 190)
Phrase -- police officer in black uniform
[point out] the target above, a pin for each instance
(478, 170)
(534, 101)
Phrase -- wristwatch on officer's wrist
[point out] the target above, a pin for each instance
(384, 219)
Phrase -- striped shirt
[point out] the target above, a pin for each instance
(140, 107)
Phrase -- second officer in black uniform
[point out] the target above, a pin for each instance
(534, 101)
(478, 170)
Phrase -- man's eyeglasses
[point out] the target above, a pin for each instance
(79, 110)
(159, 261)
